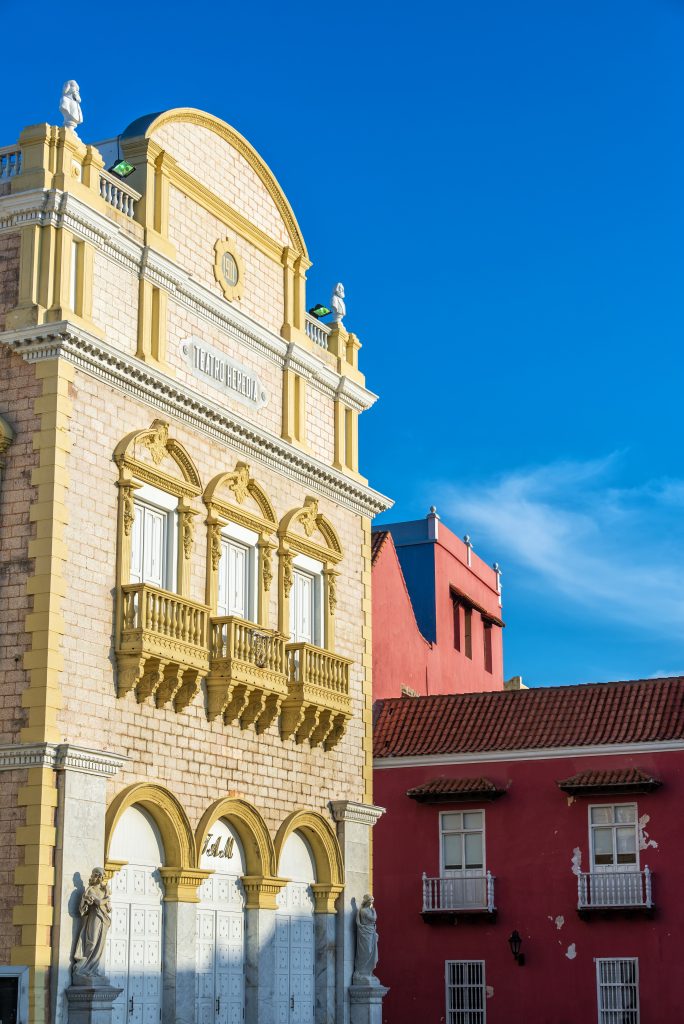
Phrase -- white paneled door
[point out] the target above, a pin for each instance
(220, 952)
(134, 945)
(295, 955)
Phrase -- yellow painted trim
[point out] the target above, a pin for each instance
(322, 840)
(230, 291)
(168, 815)
(241, 483)
(251, 828)
(188, 115)
(157, 440)
(6, 438)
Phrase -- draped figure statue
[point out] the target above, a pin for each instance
(366, 958)
(95, 909)
(70, 105)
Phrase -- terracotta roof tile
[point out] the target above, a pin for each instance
(630, 779)
(591, 714)
(445, 788)
(378, 538)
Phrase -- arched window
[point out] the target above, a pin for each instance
(162, 635)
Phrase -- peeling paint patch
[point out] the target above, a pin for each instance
(489, 990)
(571, 799)
(644, 840)
(577, 861)
(571, 951)
(559, 922)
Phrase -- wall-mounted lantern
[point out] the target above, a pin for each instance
(515, 942)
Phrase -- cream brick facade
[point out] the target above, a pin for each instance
(105, 287)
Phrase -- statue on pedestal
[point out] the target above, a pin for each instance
(95, 909)
(366, 958)
(337, 304)
(70, 105)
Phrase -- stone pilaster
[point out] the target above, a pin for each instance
(82, 802)
(260, 966)
(354, 822)
(180, 942)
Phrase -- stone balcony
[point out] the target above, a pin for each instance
(247, 679)
(162, 648)
(318, 705)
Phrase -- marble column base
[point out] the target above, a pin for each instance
(90, 1004)
(366, 1003)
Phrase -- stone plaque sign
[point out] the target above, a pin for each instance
(225, 374)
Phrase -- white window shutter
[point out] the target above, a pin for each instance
(222, 603)
(238, 580)
(153, 547)
(136, 544)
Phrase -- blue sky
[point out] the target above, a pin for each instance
(501, 188)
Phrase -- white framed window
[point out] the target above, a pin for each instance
(306, 601)
(462, 841)
(154, 538)
(617, 982)
(14, 995)
(465, 992)
(237, 584)
(613, 837)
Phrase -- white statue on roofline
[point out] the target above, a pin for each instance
(70, 105)
(337, 304)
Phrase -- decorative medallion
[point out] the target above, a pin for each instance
(229, 269)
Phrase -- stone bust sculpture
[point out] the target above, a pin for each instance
(337, 304)
(366, 958)
(70, 105)
(95, 910)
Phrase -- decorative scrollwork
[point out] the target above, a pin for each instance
(128, 513)
(267, 569)
(188, 533)
(288, 577)
(239, 482)
(309, 517)
(215, 545)
(158, 440)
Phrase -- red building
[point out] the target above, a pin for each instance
(551, 813)
(436, 612)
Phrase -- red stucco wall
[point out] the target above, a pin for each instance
(531, 833)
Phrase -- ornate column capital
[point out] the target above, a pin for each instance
(261, 891)
(351, 810)
(325, 897)
(181, 884)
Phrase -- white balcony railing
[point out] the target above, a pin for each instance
(10, 162)
(455, 893)
(614, 889)
(122, 197)
(316, 330)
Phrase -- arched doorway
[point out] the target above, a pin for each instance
(220, 978)
(134, 943)
(294, 934)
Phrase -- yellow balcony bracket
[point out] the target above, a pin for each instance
(247, 679)
(318, 704)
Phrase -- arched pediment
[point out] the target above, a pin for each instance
(154, 457)
(145, 127)
(231, 494)
(168, 816)
(309, 531)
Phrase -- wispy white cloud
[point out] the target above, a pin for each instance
(618, 551)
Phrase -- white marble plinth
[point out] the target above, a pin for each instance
(90, 1004)
(366, 1003)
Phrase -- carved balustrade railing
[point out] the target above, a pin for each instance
(318, 705)
(163, 644)
(316, 330)
(10, 162)
(247, 679)
(117, 194)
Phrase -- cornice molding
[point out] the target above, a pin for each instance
(62, 209)
(497, 756)
(147, 384)
(61, 757)
(352, 810)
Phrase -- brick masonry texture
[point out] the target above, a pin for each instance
(9, 274)
(197, 760)
(20, 389)
(225, 172)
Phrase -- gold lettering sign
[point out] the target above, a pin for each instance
(214, 850)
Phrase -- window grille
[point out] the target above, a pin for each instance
(465, 992)
(618, 991)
